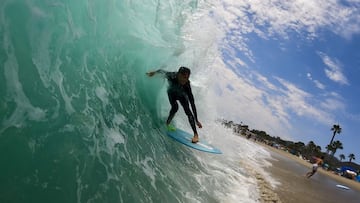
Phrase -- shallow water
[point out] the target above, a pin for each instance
(295, 187)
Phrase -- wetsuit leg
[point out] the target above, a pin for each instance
(174, 106)
(185, 104)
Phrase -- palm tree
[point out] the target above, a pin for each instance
(336, 145)
(342, 157)
(336, 130)
(330, 148)
(351, 157)
(311, 145)
(311, 149)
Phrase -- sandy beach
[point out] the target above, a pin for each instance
(290, 170)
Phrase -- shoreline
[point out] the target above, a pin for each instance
(345, 181)
(289, 171)
(267, 193)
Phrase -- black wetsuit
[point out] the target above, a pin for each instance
(183, 94)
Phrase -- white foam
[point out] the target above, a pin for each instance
(102, 94)
(24, 109)
(58, 78)
(119, 119)
(113, 137)
(147, 166)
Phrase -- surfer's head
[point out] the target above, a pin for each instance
(184, 70)
(183, 75)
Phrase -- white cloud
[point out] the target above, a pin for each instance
(302, 15)
(308, 75)
(259, 100)
(332, 101)
(263, 80)
(301, 102)
(332, 104)
(266, 104)
(245, 102)
(317, 83)
(333, 70)
(279, 18)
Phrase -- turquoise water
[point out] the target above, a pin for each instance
(81, 122)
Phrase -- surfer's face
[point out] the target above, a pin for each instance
(183, 78)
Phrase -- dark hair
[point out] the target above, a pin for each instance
(184, 70)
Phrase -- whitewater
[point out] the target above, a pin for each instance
(81, 122)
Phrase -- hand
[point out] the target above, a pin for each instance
(198, 124)
(150, 74)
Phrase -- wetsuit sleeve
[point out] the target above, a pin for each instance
(166, 74)
(191, 100)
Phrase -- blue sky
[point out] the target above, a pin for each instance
(292, 68)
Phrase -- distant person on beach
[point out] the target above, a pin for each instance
(179, 90)
(315, 166)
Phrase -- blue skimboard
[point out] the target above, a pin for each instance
(185, 138)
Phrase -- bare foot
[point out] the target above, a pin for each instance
(195, 139)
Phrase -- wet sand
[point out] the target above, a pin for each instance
(290, 171)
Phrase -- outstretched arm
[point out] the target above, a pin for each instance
(152, 73)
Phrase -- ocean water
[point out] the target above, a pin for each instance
(81, 122)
